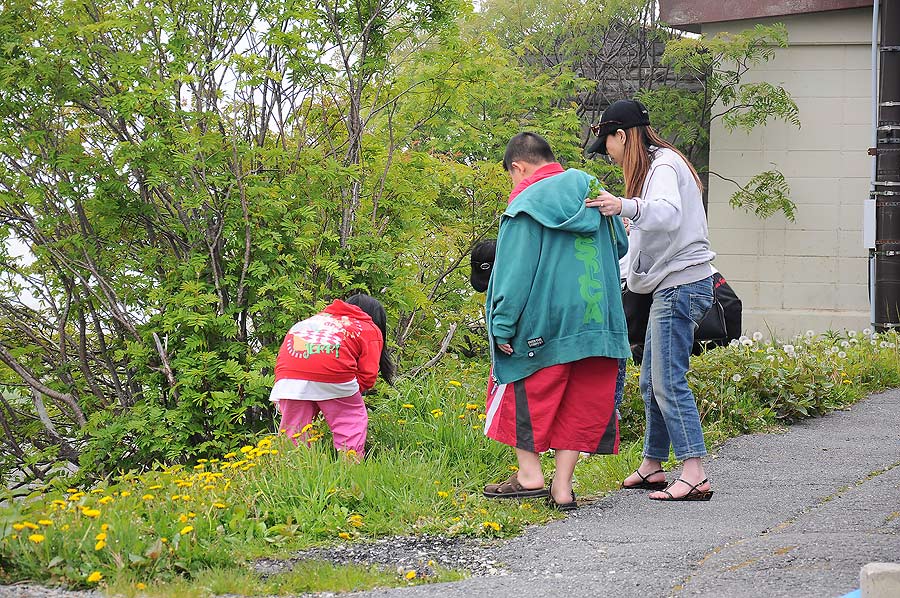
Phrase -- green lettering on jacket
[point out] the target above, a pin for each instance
(590, 284)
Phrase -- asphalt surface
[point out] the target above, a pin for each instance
(794, 514)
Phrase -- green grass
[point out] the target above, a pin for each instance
(194, 528)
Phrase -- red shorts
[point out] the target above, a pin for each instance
(570, 406)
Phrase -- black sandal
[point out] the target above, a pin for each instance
(644, 484)
(693, 493)
(562, 507)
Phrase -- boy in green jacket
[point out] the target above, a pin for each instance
(555, 322)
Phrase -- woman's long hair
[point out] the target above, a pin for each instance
(375, 310)
(637, 159)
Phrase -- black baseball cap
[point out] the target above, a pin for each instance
(482, 264)
(621, 114)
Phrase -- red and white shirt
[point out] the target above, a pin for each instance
(333, 354)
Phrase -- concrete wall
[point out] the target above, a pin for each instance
(810, 274)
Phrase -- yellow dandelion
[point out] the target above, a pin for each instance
(30, 525)
(202, 460)
(71, 490)
(454, 383)
(183, 518)
(97, 491)
(65, 527)
(482, 417)
(164, 540)
(408, 406)
(246, 449)
(106, 500)
(45, 522)
(155, 487)
(36, 538)
(491, 525)
(186, 530)
(18, 527)
(410, 575)
(104, 527)
(264, 443)
(401, 421)
(59, 503)
(297, 435)
(471, 407)
(306, 428)
(437, 413)
(461, 417)
(209, 487)
(125, 493)
(219, 505)
(273, 452)
(92, 513)
(100, 545)
(140, 586)
(344, 535)
(94, 577)
(199, 466)
(350, 453)
(230, 455)
(147, 497)
(443, 494)
(100, 536)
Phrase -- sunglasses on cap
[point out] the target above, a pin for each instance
(597, 127)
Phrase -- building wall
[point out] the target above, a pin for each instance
(812, 273)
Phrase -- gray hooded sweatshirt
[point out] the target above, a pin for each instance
(669, 241)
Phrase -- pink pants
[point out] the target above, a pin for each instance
(347, 418)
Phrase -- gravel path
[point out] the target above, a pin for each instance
(403, 553)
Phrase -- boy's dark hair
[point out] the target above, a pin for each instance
(375, 310)
(527, 147)
(482, 264)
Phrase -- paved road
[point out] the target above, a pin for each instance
(794, 515)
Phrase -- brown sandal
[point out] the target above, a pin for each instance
(511, 488)
(693, 493)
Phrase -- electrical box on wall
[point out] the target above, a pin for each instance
(868, 228)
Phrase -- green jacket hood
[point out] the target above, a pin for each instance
(553, 202)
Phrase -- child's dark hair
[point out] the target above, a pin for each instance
(527, 147)
(373, 307)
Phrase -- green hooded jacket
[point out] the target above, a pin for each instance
(555, 294)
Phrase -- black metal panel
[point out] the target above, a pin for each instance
(887, 173)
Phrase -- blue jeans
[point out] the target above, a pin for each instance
(672, 416)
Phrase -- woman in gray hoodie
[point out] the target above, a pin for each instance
(670, 260)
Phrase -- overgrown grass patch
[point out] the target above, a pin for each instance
(194, 527)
